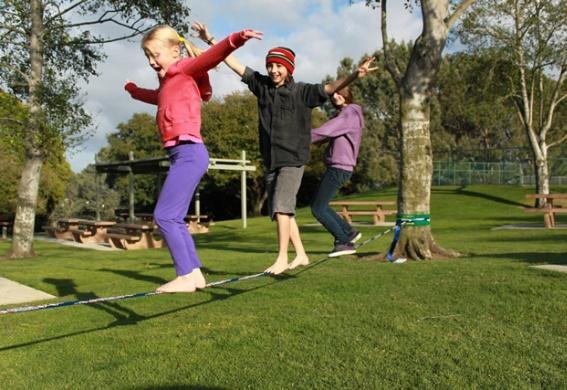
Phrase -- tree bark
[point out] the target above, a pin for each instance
(28, 189)
(24, 223)
(416, 87)
(541, 171)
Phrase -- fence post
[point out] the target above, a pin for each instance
(131, 215)
(243, 211)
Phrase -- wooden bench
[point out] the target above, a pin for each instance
(134, 236)
(90, 232)
(372, 208)
(554, 204)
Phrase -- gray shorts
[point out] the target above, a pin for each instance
(282, 185)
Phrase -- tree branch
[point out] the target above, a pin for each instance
(461, 8)
(10, 120)
(558, 142)
(66, 10)
(16, 70)
(389, 62)
(109, 40)
(555, 99)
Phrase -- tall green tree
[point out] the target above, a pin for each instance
(45, 48)
(138, 135)
(416, 82)
(473, 107)
(532, 35)
(80, 198)
(57, 171)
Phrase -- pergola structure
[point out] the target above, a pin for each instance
(161, 165)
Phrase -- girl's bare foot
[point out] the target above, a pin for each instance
(299, 261)
(278, 267)
(179, 284)
(197, 278)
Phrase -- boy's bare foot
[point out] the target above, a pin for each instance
(179, 284)
(196, 276)
(278, 267)
(299, 261)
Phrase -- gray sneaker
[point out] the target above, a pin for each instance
(342, 249)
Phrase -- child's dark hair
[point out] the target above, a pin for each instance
(345, 92)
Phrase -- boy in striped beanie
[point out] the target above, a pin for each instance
(284, 110)
(282, 55)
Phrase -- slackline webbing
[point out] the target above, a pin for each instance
(23, 309)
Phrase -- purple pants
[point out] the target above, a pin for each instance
(189, 162)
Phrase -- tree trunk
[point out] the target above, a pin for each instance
(259, 203)
(24, 223)
(414, 190)
(541, 170)
(416, 159)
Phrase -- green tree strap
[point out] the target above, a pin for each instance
(414, 219)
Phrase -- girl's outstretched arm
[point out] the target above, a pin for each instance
(362, 71)
(218, 52)
(231, 61)
(145, 95)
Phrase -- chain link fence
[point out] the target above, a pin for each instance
(504, 172)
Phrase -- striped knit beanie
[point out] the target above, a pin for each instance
(282, 55)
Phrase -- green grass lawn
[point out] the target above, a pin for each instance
(486, 320)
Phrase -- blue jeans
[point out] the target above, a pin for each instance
(332, 180)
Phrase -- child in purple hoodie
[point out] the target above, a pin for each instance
(343, 133)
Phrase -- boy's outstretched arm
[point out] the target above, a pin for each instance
(231, 61)
(362, 71)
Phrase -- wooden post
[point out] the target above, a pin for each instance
(243, 210)
(198, 205)
(97, 189)
(131, 215)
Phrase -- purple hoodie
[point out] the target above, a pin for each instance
(344, 132)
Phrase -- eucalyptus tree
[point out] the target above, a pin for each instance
(416, 82)
(532, 35)
(46, 47)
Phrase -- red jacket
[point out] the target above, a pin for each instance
(180, 92)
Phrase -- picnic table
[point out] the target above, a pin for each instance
(195, 223)
(555, 204)
(89, 232)
(134, 236)
(63, 228)
(374, 208)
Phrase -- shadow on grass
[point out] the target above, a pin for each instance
(68, 286)
(464, 191)
(529, 257)
(121, 314)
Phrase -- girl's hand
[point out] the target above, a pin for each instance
(129, 86)
(365, 68)
(202, 31)
(252, 34)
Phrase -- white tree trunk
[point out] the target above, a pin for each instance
(22, 241)
(28, 189)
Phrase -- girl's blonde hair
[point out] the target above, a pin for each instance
(168, 35)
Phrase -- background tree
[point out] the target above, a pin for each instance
(45, 48)
(416, 86)
(81, 197)
(138, 135)
(473, 108)
(57, 171)
(531, 35)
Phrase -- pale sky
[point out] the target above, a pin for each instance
(321, 32)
